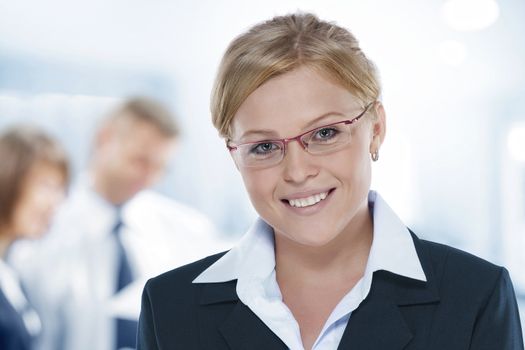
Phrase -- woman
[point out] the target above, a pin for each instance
(33, 178)
(328, 264)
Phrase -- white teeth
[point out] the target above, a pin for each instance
(308, 201)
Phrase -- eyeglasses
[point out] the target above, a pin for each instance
(321, 140)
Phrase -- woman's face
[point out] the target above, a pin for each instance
(289, 105)
(42, 191)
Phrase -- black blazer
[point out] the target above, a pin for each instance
(466, 303)
(13, 332)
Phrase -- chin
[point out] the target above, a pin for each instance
(317, 242)
(314, 240)
(129, 195)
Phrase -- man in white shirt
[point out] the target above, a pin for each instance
(86, 277)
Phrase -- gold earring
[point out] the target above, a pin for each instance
(375, 155)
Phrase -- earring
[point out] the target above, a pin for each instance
(375, 155)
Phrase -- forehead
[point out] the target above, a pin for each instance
(136, 131)
(291, 102)
(134, 139)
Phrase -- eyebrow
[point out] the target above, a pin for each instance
(273, 134)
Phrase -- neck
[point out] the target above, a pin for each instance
(342, 259)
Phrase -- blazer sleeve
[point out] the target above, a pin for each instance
(146, 339)
(498, 324)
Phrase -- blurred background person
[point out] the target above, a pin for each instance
(33, 177)
(112, 235)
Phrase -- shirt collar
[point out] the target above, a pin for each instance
(87, 201)
(392, 248)
(253, 257)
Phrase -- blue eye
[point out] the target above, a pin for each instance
(264, 148)
(325, 134)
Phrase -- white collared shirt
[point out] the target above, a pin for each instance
(71, 273)
(252, 263)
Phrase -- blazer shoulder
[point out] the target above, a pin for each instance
(454, 257)
(181, 277)
(455, 269)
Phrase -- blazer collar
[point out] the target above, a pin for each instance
(241, 328)
(377, 323)
(216, 293)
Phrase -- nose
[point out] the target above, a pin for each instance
(298, 165)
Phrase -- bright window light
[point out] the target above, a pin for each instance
(470, 15)
(452, 52)
(516, 142)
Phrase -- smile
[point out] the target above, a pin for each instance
(308, 201)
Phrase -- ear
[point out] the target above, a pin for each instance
(378, 127)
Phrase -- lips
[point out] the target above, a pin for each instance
(307, 199)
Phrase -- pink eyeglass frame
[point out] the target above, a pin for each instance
(297, 138)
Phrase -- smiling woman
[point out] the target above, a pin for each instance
(293, 102)
(328, 264)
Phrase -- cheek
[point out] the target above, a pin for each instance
(352, 167)
(260, 185)
(361, 167)
(27, 218)
(111, 153)
(38, 205)
(152, 174)
(127, 169)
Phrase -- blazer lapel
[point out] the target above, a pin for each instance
(244, 330)
(378, 323)
(241, 329)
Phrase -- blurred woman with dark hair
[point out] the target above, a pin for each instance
(34, 173)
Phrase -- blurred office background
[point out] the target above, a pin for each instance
(453, 164)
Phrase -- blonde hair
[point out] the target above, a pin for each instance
(280, 45)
